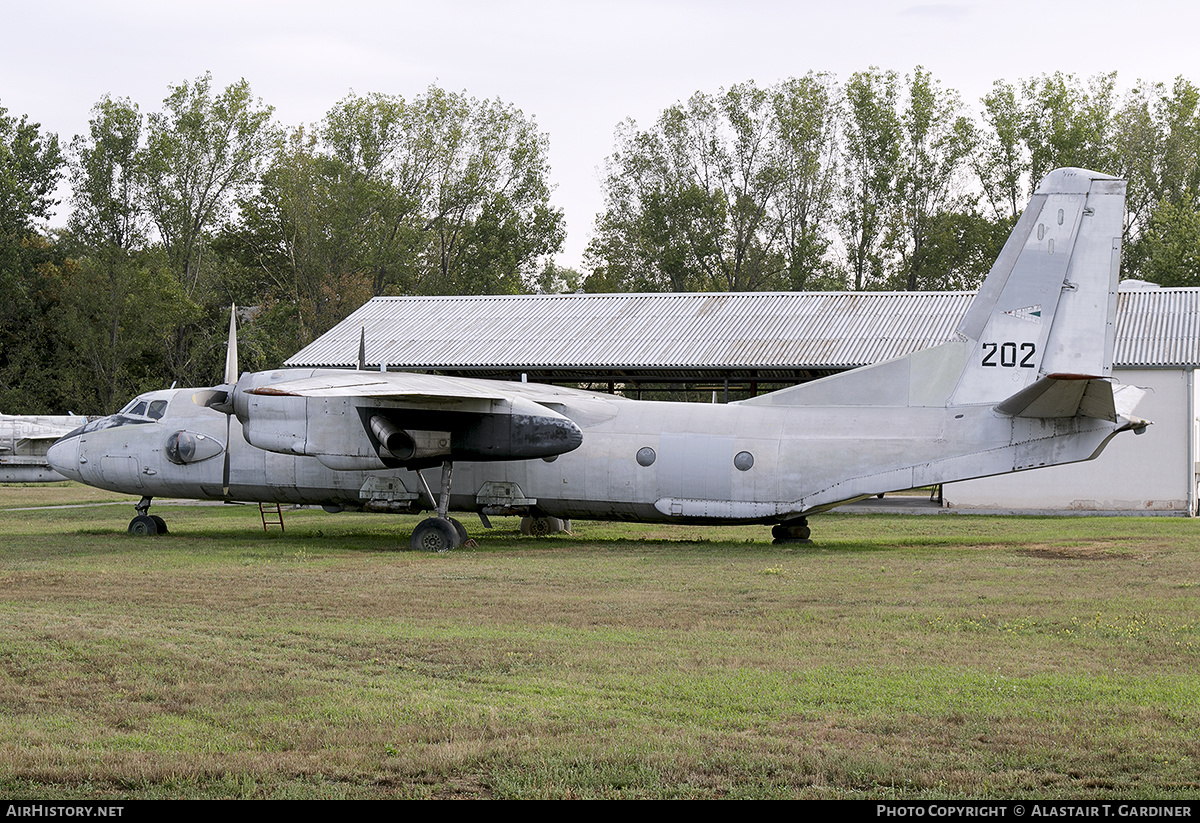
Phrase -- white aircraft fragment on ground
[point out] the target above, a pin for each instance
(24, 441)
(1027, 384)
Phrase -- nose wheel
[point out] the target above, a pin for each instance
(146, 524)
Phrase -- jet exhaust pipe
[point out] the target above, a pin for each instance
(408, 445)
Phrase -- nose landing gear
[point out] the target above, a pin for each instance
(144, 524)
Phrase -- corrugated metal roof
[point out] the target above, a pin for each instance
(1158, 327)
(656, 333)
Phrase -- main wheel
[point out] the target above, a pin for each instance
(540, 526)
(158, 521)
(463, 537)
(795, 532)
(143, 525)
(434, 535)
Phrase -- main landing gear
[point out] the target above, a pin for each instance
(795, 532)
(543, 526)
(441, 533)
(147, 525)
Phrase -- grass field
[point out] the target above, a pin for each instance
(902, 657)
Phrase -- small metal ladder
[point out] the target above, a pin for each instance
(272, 515)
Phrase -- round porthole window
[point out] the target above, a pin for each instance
(646, 456)
(743, 461)
(185, 447)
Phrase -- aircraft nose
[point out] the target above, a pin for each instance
(63, 457)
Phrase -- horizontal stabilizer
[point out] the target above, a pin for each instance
(1051, 397)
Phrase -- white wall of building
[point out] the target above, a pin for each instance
(1150, 473)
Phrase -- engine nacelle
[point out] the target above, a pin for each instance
(363, 432)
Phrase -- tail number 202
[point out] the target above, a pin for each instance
(1009, 355)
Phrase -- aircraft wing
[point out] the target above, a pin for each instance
(363, 420)
(400, 386)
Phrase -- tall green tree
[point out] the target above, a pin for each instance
(1068, 123)
(1138, 139)
(122, 307)
(439, 194)
(1172, 245)
(203, 150)
(870, 164)
(300, 236)
(446, 193)
(1000, 160)
(937, 139)
(1157, 135)
(1040, 124)
(103, 302)
(808, 118)
(1177, 170)
(116, 316)
(727, 192)
(106, 210)
(30, 168)
(377, 155)
(488, 218)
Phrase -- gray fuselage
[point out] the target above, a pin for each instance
(639, 460)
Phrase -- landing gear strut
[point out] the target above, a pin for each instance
(146, 524)
(793, 531)
(441, 533)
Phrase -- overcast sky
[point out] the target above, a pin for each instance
(577, 67)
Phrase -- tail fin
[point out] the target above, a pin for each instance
(1045, 312)
(1046, 309)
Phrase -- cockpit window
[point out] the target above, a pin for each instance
(144, 407)
(109, 422)
(137, 411)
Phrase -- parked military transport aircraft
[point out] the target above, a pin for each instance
(1026, 384)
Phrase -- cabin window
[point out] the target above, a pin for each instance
(646, 456)
(743, 461)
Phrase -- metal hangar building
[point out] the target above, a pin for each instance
(734, 344)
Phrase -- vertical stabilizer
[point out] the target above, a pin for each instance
(1045, 312)
(1046, 307)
